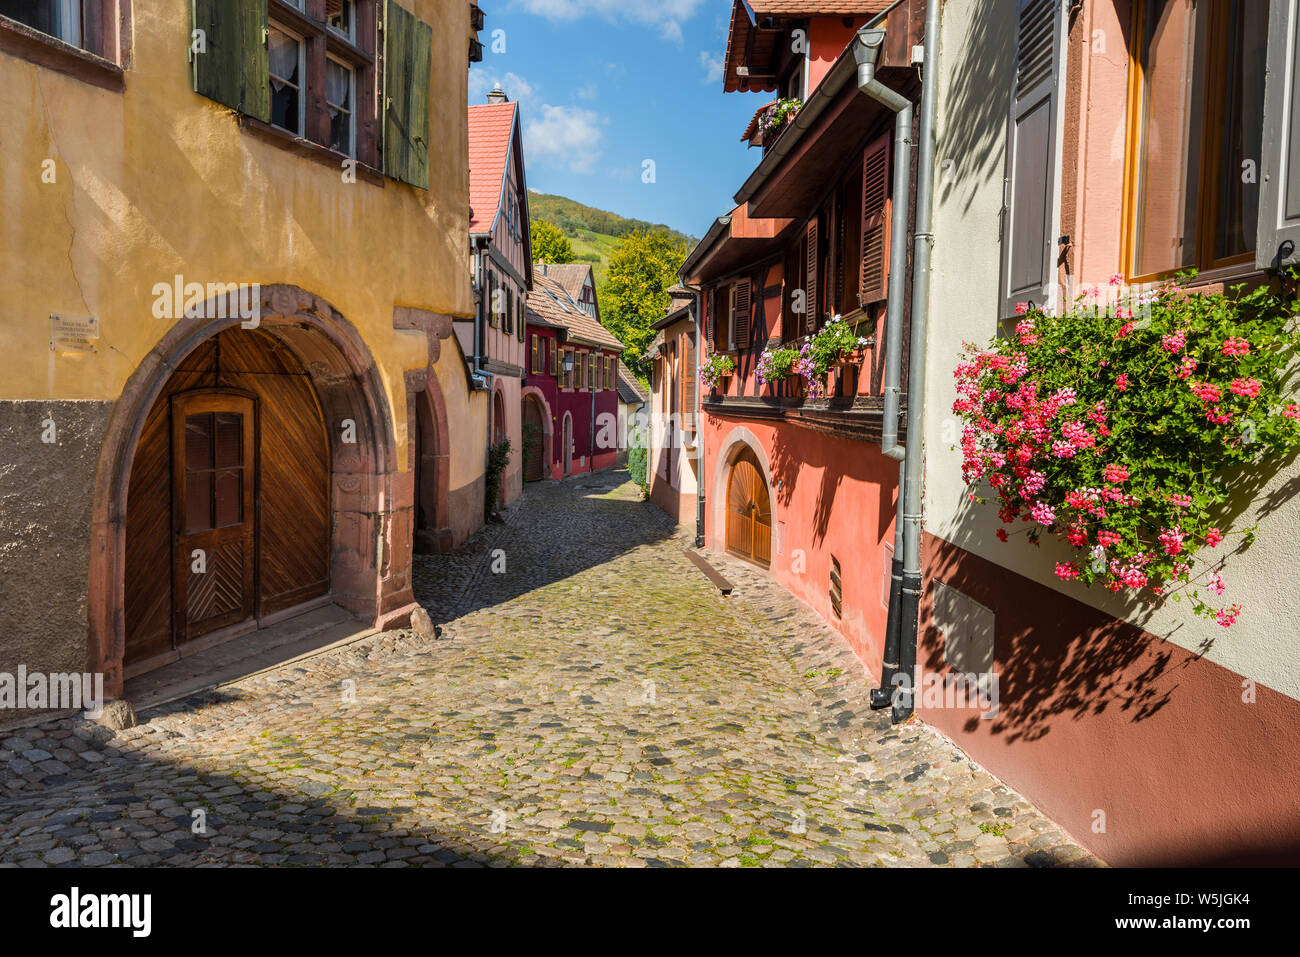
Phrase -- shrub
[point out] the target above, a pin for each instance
(637, 457)
(1120, 433)
(498, 459)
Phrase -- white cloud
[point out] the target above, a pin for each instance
(588, 92)
(565, 135)
(482, 79)
(712, 66)
(666, 16)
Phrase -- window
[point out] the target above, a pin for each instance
(61, 19)
(340, 100)
(836, 589)
(214, 464)
(287, 56)
(551, 367)
(508, 319)
(1196, 122)
(341, 17)
(593, 383)
(315, 74)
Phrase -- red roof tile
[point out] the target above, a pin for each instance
(490, 128)
(551, 304)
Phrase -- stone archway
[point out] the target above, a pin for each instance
(431, 467)
(370, 526)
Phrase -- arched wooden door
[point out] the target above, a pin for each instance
(533, 433)
(749, 512)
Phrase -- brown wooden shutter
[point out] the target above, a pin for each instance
(533, 350)
(741, 318)
(234, 67)
(710, 307)
(552, 368)
(810, 291)
(690, 382)
(874, 283)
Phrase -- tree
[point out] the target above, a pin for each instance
(642, 268)
(549, 244)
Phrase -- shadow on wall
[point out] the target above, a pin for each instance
(1065, 658)
(794, 451)
(972, 137)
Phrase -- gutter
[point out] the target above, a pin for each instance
(866, 50)
(896, 685)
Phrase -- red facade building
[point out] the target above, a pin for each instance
(795, 481)
(570, 397)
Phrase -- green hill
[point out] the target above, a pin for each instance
(593, 232)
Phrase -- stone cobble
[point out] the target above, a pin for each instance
(592, 700)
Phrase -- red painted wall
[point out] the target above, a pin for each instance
(836, 497)
(579, 405)
(1096, 714)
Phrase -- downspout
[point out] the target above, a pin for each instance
(866, 51)
(481, 378)
(914, 459)
(699, 421)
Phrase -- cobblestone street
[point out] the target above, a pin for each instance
(595, 701)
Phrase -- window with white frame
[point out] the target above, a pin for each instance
(61, 19)
(340, 100)
(287, 56)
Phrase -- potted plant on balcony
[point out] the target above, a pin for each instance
(777, 365)
(716, 370)
(777, 117)
(837, 343)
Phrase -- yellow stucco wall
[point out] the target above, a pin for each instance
(158, 181)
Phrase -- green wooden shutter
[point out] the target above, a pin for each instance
(233, 68)
(408, 67)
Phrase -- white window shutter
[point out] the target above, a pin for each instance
(1279, 183)
(1028, 246)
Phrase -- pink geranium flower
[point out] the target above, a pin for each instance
(1235, 346)
(1246, 387)
(1213, 537)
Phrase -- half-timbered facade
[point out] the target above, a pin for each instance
(501, 257)
(571, 394)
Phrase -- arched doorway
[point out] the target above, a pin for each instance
(567, 451)
(534, 434)
(319, 408)
(229, 490)
(428, 417)
(499, 433)
(749, 511)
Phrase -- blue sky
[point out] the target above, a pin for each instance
(606, 85)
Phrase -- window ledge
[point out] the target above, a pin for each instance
(303, 147)
(44, 50)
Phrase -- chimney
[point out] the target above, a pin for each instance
(498, 95)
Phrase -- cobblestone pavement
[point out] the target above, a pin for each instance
(594, 701)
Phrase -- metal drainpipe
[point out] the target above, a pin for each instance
(699, 422)
(914, 459)
(866, 51)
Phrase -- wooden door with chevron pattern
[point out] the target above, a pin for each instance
(214, 473)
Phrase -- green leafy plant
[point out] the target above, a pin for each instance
(1124, 430)
(549, 244)
(498, 459)
(775, 364)
(779, 114)
(636, 465)
(835, 341)
(715, 368)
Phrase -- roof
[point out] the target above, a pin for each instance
(752, 129)
(571, 276)
(629, 389)
(813, 8)
(491, 127)
(549, 304)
